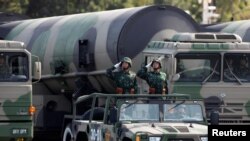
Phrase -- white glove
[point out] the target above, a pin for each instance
(148, 65)
(117, 65)
(160, 58)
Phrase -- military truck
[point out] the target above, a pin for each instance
(82, 46)
(139, 117)
(212, 66)
(16, 106)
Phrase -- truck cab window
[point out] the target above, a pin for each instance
(13, 67)
(198, 67)
(236, 67)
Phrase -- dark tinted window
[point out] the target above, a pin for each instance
(13, 67)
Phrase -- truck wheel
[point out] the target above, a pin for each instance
(67, 134)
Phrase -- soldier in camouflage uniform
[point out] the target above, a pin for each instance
(156, 79)
(125, 79)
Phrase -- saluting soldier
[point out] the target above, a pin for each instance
(124, 78)
(156, 79)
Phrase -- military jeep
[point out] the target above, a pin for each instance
(173, 117)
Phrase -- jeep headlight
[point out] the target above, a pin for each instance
(154, 138)
(204, 139)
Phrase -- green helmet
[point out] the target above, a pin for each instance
(127, 60)
(156, 60)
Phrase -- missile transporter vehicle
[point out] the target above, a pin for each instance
(172, 117)
(72, 47)
(211, 66)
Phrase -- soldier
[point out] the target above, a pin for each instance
(156, 79)
(125, 79)
(4, 69)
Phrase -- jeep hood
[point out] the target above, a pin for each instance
(167, 128)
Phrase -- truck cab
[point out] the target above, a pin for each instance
(16, 108)
(211, 66)
(140, 118)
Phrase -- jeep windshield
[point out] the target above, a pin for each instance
(184, 112)
(139, 112)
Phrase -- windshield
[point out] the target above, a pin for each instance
(137, 112)
(183, 112)
(13, 67)
(198, 67)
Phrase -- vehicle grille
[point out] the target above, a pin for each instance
(182, 128)
(169, 129)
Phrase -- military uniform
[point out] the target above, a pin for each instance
(157, 81)
(125, 80)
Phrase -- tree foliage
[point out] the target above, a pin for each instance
(228, 9)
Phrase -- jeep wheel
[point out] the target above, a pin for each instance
(67, 134)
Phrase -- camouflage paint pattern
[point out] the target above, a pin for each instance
(240, 28)
(123, 79)
(15, 112)
(229, 98)
(157, 80)
(110, 35)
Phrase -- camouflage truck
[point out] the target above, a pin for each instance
(212, 66)
(16, 107)
(139, 117)
(82, 46)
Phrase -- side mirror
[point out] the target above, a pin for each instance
(214, 118)
(176, 77)
(37, 70)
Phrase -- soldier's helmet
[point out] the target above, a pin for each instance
(156, 60)
(127, 60)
